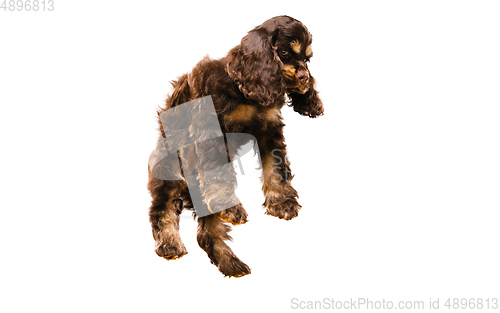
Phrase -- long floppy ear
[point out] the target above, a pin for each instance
(309, 103)
(255, 67)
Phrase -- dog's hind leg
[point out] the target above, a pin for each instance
(164, 214)
(212, 233)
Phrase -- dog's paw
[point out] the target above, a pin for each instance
(284, 210)
(233, 267)
(171, 251)
(310, 111)
(235, 215)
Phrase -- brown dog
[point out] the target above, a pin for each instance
(248, 88)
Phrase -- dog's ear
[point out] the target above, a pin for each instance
(255, 66)
(309, 103)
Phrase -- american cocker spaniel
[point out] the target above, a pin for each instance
(248, 87)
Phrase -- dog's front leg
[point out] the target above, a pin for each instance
(280, 196)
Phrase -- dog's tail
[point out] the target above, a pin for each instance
(181, 93)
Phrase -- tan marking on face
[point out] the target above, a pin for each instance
(309, 51)
(289, 71)
(272, 115)
(296, 46)
(241, 113)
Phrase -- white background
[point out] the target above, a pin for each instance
(399, 180)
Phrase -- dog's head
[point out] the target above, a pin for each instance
(271, 61)
(293, 47)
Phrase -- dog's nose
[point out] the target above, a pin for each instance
(303, 76)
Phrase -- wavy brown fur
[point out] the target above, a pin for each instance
(248, 89)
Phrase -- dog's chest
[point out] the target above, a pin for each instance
(244, 116)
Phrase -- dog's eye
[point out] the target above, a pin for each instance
(285, 52)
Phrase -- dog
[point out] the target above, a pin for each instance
(248, 87)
